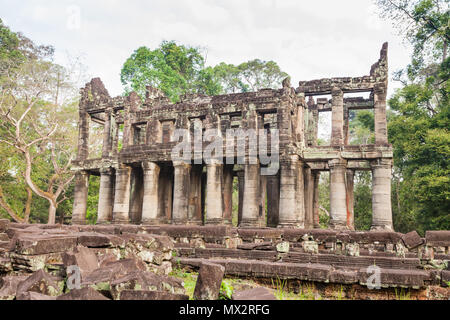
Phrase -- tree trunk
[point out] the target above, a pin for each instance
(51, 213)
(26, 216)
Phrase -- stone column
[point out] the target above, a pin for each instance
(165, 194)
(381, 194)
(83, 134)
(214, 200)
(292, 210)
(195, 195)
(350, 175)
(150, 203)
(228, 175)
(105, 196)
(136, 195)
(250, 208)
(241, 182)
(346, 126)
(273, 200)
(338, 199)
(309, 198)
(316, 176)
(122, 195)
(182, 180)
(337, 117)
(80, 197)
(107, 138)
(262, 201)
(379, 99)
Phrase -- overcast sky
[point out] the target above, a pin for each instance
(308, 39)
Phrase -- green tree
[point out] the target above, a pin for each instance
(175, 69)
(419, 122)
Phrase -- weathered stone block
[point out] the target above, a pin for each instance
(34, 296)
(151, 295)
(415, 279)
(86, 293)
(344, 276)
(32, 244)
(4, 237)
(98, 240)
(259, 293)
(8, 286)
(42, 282)
(438, 238)
(82, 257)
(412, 240)
(209, 281)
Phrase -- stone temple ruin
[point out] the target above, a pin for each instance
(140, 184)
(155, 214)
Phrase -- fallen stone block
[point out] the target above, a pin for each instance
(151, 295)
(99, 240)
(34, 296)
(259, 293)
(412, 240)
(267, 245)
(83, 258)
(33, 244)
(4, 237)
(42, 282)
(8, 286)
(148, 281)
(445, 278)
(86, 293)
(209, 281)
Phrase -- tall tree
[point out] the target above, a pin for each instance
(37, 121)
(420, 120)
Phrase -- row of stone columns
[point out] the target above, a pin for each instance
(292, 196)
(341, 195)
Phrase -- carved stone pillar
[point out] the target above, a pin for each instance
(122, 195)
(214, 200)
(338, 199)
(379, 97)
(150, 203)
(250, 209)
(195, 195)
(316, 175)
(80, 197)
(182, 180)
(292, 210)
(241, 182)
(337, 117)
(381, 194)
(106, 196)
(350, 175)
(228, 175)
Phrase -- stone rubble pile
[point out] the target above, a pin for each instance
(39, 262)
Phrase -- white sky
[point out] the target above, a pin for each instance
(308, 39)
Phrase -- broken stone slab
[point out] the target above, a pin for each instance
(83, 258)
(99, 240)
(8, 286)
(85, 294)
(32, 244)
(412, 240)
(42, 282)
(209, 281)
(151, 295)
(34, 296)
(415, 279)
(148, 281)
(152, 249)
(32, 263)
(4, 224)
(259, 293)
(100, 278)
